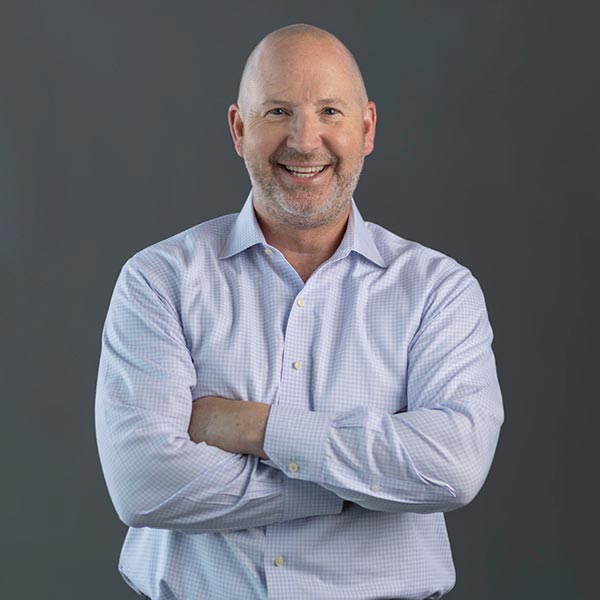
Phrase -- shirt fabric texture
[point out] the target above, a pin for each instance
(385, 413)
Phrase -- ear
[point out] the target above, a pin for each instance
(236, 127)
(369, 122)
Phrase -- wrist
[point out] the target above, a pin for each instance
(254, 432)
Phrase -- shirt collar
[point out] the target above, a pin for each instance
(246, 232)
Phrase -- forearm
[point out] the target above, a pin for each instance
(161, 479)
(373, 465)
(233, 425)
(388, 463)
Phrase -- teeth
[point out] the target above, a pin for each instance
(304, 171)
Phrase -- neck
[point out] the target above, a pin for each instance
(304, 249)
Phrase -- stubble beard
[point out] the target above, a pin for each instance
(297, 207)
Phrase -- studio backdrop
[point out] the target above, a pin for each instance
(113, 136)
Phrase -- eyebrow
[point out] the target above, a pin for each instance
(320, 102)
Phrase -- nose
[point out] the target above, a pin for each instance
(305, 133)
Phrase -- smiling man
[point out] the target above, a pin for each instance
(303, 125)
(290, 398)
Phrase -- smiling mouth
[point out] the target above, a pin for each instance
(304, 172)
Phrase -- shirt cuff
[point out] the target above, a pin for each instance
(295, 441)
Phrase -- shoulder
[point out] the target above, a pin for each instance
(428, 273)
(165, 263)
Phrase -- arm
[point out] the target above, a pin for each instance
(158, 477)
(433, 458)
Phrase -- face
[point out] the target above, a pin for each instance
(303, 133)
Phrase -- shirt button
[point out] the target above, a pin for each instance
(300, 302)
(279, 561)
(297, 365)
(268, 251)
(376, 487)
(293, 467)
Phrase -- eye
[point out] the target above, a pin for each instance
(331, 111)
(277, 112)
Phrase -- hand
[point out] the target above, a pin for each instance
(233, 425)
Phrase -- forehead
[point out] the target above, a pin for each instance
(303, 71)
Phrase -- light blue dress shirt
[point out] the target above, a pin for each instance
(386, 411)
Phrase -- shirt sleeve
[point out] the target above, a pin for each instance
(435, 456)
(156, 475)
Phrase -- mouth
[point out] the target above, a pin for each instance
(304, 173)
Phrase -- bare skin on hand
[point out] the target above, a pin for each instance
(232, 425)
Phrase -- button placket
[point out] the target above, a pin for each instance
(297, 364)
(294, 382)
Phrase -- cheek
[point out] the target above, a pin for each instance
(347, 145)
(350, 153)
(261, 144)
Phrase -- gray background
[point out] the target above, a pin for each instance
(113, 135)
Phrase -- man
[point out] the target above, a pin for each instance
(290, 398)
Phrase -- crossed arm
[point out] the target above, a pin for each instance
(157, 473)
(160, 474)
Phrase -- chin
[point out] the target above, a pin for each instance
(303, 204)
(310, 215)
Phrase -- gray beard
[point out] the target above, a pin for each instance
(292, 209)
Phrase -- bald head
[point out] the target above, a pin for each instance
(300, 39)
